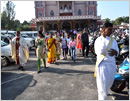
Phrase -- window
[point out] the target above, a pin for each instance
(51, 13)
(41, 4)
(69, 6)
(40, 14)
(37, 3)
(79, 12)
(91, 12)
(93, 2)
(89, 2)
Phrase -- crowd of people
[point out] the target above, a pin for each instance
(106, 49)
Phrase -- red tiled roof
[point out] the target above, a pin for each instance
(33, 25)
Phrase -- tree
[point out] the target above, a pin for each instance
(126, 19)
(3, 20)
(25, 23)
(107, 20)
(10, 14)
(16, 24)
(113, 22)
(119, 20)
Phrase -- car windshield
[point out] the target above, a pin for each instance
(35, 34)
(30, 35)
(25, 36)
(3, 43)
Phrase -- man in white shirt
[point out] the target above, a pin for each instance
(68, 41)
(107, 68)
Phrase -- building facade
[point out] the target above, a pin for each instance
(56, 15)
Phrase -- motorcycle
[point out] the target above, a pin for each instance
(91, 45)
(122, 77)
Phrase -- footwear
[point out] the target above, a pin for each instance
(38, 71)
(22, 69)
(45, 67)
(19, 68)
(74, 61)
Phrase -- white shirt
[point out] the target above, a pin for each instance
(101, 45)
(68, 41)
(63, 40)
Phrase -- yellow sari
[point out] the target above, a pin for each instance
(52, 51)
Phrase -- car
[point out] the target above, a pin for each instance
(5, 54)
(30, 41)
(8, 33)
(32, 34)
(5, 39)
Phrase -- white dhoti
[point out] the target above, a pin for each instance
(107, 68)
(105, 78)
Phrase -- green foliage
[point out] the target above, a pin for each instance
(10, 15)
(107, 20)
(3, 20)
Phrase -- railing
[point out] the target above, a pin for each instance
(67, 18)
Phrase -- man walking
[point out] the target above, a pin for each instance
(19, 50)
(106, 47)
(85, 42)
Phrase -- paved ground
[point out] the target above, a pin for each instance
(64, 81)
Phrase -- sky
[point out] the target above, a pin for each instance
(107, 9)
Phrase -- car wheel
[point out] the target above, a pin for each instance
(5, 61)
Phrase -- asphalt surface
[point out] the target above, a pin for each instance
(65, 80)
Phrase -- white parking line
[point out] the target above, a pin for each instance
(16, 78)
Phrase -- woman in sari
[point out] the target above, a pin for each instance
(79, 44)
(51, 44)
(58, 46)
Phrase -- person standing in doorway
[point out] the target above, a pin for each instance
(19, 50)
(106, 49)
(85, 42)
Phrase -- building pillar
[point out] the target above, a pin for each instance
(88, 23)
(58, 25)
(73, 8)
(44, 26)
(73, 24)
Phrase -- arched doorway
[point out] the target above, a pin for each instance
(66, 25)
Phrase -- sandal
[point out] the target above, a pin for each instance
(38, 71)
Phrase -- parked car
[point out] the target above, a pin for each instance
(8, 33)
(32, 34)
(5, 38)
(5, 54)
(30, 41)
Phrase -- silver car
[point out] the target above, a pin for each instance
(5, 54)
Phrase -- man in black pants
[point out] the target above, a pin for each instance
(85, 42)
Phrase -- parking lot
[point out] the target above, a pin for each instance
(64, 81)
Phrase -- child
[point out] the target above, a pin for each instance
(72, 45)
(40, 50)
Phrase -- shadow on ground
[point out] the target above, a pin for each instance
(68, 72)
(12, 89)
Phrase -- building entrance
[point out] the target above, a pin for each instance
(66, 26)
